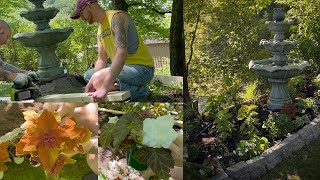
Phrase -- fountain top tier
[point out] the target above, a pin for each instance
(39, 15)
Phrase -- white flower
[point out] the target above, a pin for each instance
(159, 132)
(18, 160)
(114, 119)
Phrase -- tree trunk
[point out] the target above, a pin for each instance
(120, 5)
(176, 39)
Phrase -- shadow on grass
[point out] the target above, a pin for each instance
(25, 171)
(303, 164)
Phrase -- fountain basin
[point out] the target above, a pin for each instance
(283, 46)
(278, 76)
(40, 14)
(46, 37)
(267, 68)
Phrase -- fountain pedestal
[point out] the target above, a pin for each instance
(49, 66)
(279, 94)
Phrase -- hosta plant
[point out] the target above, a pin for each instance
(148, 138)
(247, 149)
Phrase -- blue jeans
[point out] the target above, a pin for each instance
(132, 78)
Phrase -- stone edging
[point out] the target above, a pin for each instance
(258, 166)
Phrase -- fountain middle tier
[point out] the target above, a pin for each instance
(46, 37)
(276, 46)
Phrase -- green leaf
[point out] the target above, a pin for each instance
(126, 123)
(160, 161)
(106, 135)
(142, 155)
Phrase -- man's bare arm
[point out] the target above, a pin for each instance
(119, 27)
(9, 67)
(6, 75)
(102, 57)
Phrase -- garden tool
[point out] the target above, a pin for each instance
(30, 91)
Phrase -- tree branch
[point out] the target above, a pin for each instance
(147, 6)
(193, 38)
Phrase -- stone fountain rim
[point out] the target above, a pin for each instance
(32, 34)
(39, 9)
(274, 43)
(279, 23)
(256, 66)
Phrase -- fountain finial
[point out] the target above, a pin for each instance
(278, 14)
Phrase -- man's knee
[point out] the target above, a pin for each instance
(88, 74)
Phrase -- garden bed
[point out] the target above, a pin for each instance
(246, 141)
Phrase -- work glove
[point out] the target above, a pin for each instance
(22, 80)
(34, 76)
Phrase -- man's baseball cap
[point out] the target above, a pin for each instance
(79, 6)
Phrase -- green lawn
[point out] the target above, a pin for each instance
(303, 164)
(25, 171)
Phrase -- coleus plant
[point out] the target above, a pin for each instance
(48, 139)
(7, 143)
(149, 138)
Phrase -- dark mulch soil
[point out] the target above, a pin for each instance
(11, 116)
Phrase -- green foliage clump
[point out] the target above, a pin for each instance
(308, 103)
(247, 149)
(296, 84)
(278, 125)
(300, 121)
(250, 92)
(248, 115)
(223, 124)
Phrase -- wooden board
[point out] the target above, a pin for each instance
(169, 80)
(83, 97)
(7, 100)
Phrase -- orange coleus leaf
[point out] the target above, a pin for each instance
(76, 134)
(48, 138)
(4, 155)
(61, 161)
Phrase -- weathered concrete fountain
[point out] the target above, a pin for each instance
(278, 69)
(44, 40)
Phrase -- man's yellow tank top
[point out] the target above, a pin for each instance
(106, 37)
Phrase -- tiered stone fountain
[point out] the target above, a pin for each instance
(44, 40)
(278, 69)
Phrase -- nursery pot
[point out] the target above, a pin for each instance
(134, 163)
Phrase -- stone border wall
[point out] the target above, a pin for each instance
(258, 166)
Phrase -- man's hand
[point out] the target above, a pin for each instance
(33, 75)
(176, 149)
(99, 95)
(89, 87)
(22, 80)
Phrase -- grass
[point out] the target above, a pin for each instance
(163, 71)
(303, 164)
(25, 171)
(5, 89)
